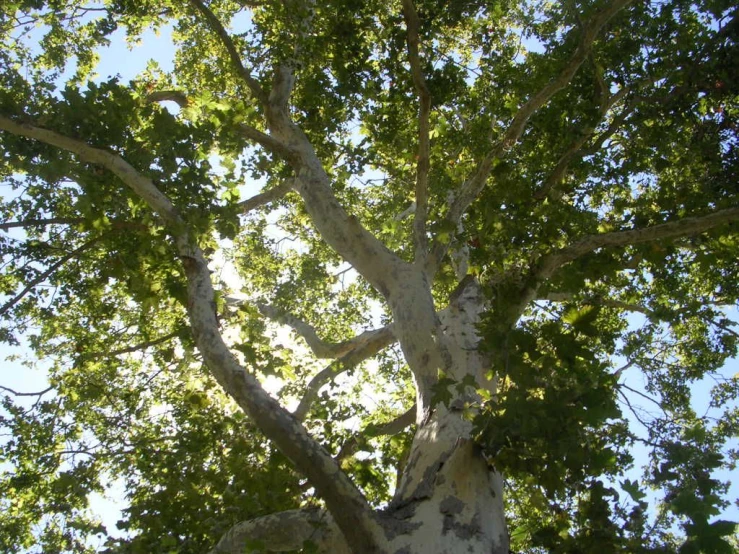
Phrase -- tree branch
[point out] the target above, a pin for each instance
(283, 80)
(351, 511)
(268, 142)
(424, 144)
(638, 308)
(40, 222)
(548, 264)
(577, 149)
(576, 146)
(45, 275)
(16, 393)
(365, 346)
(674, 229)
(217, 27)
(283, 532)
(130, 349)
(320, 348)
(264, 198)
(118, 166)
(180, 98)
(65, 221)
(472, 187)
(392, 427)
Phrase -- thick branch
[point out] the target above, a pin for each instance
(118, 166)
(264, 198)
(320, 348)
(282, 532)
(684, 227)
(364, 346)
(473, 186)
(283, 81)
(424, 143)
(180, 98)
(351, 511)
(341, 231)
(674, 229)
(268, 142)
(217, 27)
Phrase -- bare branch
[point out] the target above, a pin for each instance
(365, 346)
(424, 144)
(46, 274)
(217, 27)
(134, 348)
(283, 532)
(320, 348)
(40, 222)
(16, 393)
(472, 187)
(180, 98)
(264, 198)
(349, 507)
(392, 427)
(268, 142)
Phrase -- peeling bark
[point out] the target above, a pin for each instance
(284, 532)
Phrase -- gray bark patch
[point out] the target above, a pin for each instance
(464, 531)
(451, 505)
(394, 527)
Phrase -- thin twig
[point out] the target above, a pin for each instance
(45, 275)
(16, 393)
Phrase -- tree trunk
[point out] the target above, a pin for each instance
(449, 498)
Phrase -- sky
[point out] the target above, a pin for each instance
(119, 59)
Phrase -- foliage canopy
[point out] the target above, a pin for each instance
(579, 160)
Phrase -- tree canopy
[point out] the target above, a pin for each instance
(506, 232)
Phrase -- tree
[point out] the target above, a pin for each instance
(501, 183)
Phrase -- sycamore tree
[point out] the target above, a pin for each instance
(505, 230)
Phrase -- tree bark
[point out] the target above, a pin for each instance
(449, 498)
